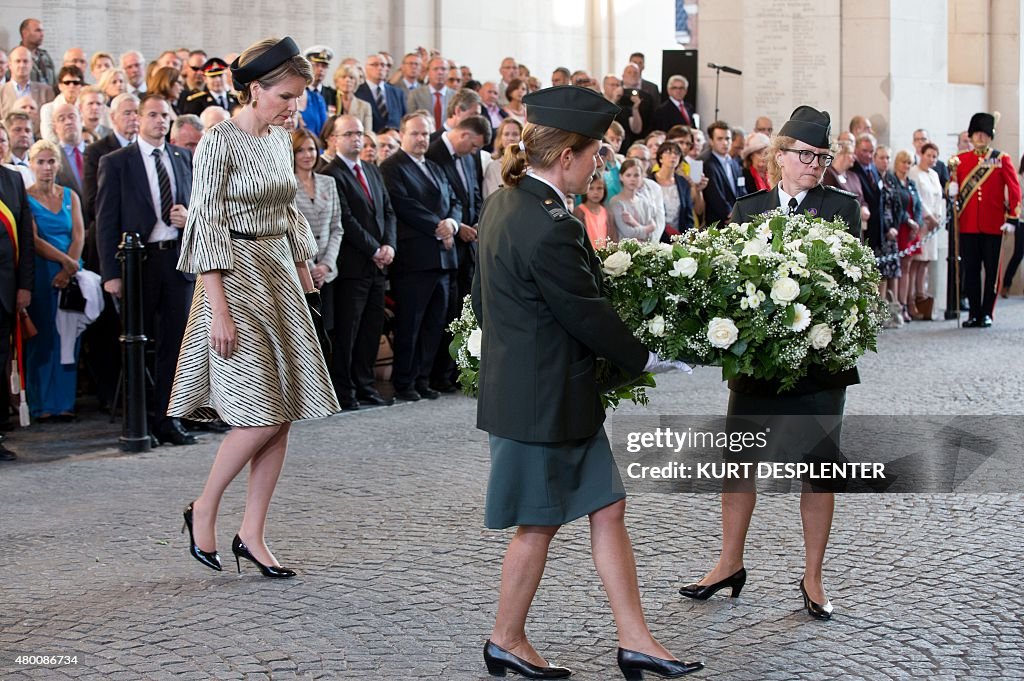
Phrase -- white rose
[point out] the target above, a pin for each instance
(820, 336)
(475, 342)
(755, 247)
(617, 263)
(684, 267)
(785, 290)
(656, 326)
(801, 317)
(722, 332)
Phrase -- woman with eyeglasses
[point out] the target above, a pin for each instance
(797, 160)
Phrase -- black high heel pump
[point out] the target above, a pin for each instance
(633, 665)
(702, 592)
(240, 550)
(821, 612)
(208, 558)
(499, 660)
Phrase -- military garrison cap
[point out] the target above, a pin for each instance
(214, 66)
(571, 108)
(809, 125)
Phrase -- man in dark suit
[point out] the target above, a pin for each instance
(723, 172)
(457, 153)
(647, 86)
(871, 183)
(428, 214)
(145, 188)
(463, 104)
(100, 344)
(386, 102)
(675, 110)
(434, 94)
(367, 248)
(17, 258)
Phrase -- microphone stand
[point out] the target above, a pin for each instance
(718, 76)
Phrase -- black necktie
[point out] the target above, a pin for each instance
(164, 182)
(792, 206)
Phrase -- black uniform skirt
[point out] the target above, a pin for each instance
(550, 483)
(804, 428)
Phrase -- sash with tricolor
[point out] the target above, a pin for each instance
(17, 361)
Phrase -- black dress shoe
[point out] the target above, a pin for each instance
(972, 323)
(215, 426)
(172, 431)
(375, 399)
(427, 392)
(499, 661)
(702, 592)
(349, 405)
(6, 454)
(445, 387)
(408, 395)
(208, 558)
(986, 322)
(634, 664)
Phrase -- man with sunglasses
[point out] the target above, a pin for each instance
(69, 82)
(801, 153)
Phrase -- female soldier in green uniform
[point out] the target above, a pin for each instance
(537, 296)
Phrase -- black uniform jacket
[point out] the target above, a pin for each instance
(537, 296)
(825, 202)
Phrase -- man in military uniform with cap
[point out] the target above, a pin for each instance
(216, 93)
(801, 153)
(318, 96)
(988, 204)
(537, 296)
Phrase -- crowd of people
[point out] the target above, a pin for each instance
(393, 159)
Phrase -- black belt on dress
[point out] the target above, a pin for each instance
(169, 245)
(252, 237)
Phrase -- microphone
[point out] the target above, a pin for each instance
(727, 69)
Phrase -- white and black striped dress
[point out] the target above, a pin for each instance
(245, 184)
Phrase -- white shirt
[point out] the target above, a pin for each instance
(161, 230)
(565, 204)
(784, 197)
(123, 141)
(727, 165)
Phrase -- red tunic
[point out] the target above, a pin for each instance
(993, 201)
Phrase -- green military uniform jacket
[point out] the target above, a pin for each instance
(824, 202)
(537, 297)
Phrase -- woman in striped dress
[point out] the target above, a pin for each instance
(250, 353)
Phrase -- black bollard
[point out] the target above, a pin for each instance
(953, 285)
(134, 429)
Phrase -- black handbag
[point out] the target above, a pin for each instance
(71, 298)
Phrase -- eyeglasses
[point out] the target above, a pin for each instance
(71, 82)
(807, 156)
(350, 133)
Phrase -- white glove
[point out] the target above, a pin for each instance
(657, 365)
(1009, 227)
(952, 189)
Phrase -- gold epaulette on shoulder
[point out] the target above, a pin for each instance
(196, 95)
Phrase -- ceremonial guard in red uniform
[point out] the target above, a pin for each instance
(988, 205)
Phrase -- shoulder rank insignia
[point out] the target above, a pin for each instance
(196, 95)
(837, 190)
(555, 210)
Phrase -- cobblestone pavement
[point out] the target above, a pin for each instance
(381, 512)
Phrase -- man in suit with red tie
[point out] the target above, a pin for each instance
(367, 248)
(433, 97)
(17, 260)
(145, 188)
(988, 205)
(457, 153)
(674, 110)
(428, 216)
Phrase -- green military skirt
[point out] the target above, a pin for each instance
(550, 483)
